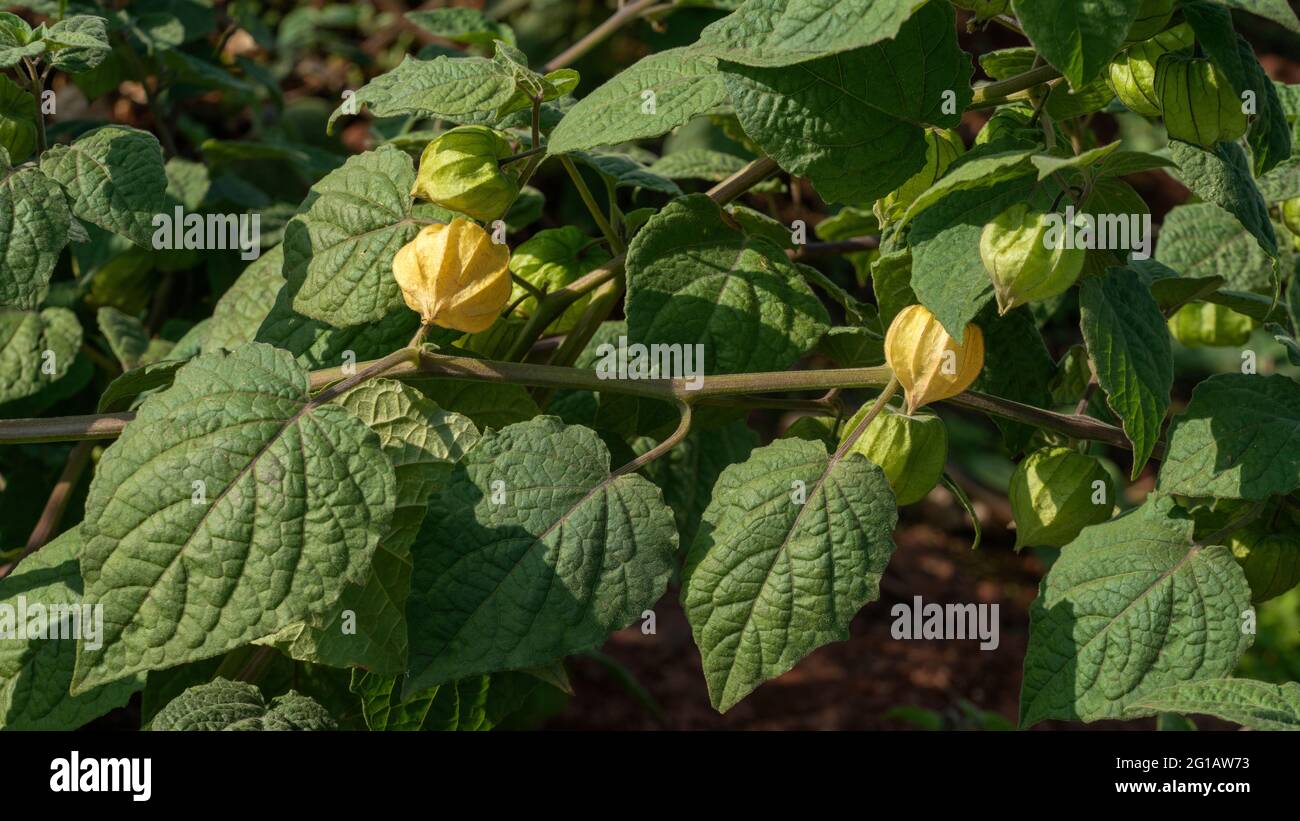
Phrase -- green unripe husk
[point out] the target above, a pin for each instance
(1197, 101)
(1133, 71)
(1016, 123)
(550, 260)
(1270, 559)
(1291, 216)
(814, 429)
(1026, 262)
(17, 121)
(460, 170)
(1210, 325)
(911, 450)
(1054, 496)
(942, 147)
(1151, 18)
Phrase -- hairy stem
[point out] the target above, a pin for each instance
(820, 250)
(589, 200)
(55, 506)
(881, 401)
(37, 83)
(599, 34)
(991, 94)
(683, 428)
(743, 180)
(725, 386)
(555, 303)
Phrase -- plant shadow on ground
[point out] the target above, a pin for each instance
(855, 684)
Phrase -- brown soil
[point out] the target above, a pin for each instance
(849, 685)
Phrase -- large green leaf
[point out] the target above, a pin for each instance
(231, 506)
(467, 704)
(1202, 240)
(462, 25)
(1256, 704)
(792, 545)
(366, 627)
(1077, 38)
(459, 89)
(1131, 606)
(338, 253)
(854, 122)
(948, 275)
(774, 33)
(1238, 439)
(36, 349)
(1276, 10)
(978, 169)
(317, 344)
(244, 307)
(222, 704)
(623, 171)
(1017, 366)
(115, 179)
(1270, 133)
(688, 472)
(1128, 341)
(35, 672)
(34, 224)
(126, 335)
(692, 279)
(651, 97)
(78, 43)
(1223, 177)
(532, 551)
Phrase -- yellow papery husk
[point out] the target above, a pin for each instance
(454, 276)
(916, 347)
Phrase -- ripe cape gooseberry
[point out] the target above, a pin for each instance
(454, 276)
(928, 363)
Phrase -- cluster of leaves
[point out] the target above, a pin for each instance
(443, 544)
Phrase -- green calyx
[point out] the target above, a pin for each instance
(1198, 102)
(1291, 216)
(1133, 71)
(17, 121)
(1151, 18)
(1270, 559)
(1016, 124)
(911, 450)
(1025, 254)
(1057, 492)
(942, 147)
(1205, 324)
(460, 170)
(550, 260)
